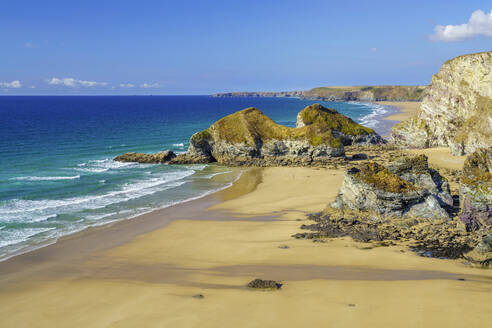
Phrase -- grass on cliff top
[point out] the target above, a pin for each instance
(332, 119)
(382, 92)
(250, 126)
(380, 177)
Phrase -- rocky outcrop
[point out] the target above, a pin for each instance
(342, 127)
(162, 157)
(349, 93)
(406, 188)
(456, 110)
(249, 137)
(476, 190)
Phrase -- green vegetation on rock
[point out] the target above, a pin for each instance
(250, 126)
(330, 118)
(380, 177)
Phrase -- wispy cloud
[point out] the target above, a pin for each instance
(374, 49)
(126, 85)
(28, 45)
(149, 85)
(14, 84)
(479, 24)
(71, 82)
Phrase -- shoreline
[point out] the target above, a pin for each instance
(147, 270)
(383, 119)
(178, 265)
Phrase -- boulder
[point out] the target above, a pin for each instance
(476, 190)
(406, 188)
(161, 157)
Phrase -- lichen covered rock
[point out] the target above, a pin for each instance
(476, 190)
(342, 126)
(405, 188)
(249, 136)
(161, 157)
(456, 111)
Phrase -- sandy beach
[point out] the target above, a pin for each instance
(188, 265)
(145, 271)
(407, 109)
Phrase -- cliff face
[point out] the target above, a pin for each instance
(457, 108)
(362, 93)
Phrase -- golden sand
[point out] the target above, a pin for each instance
(407, 109)
(149, 281)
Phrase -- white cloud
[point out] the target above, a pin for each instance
(480, 24)
(126, 85)
(28, 45)
(14, 84)
(71, 82)
(374, 49)
(149, 85)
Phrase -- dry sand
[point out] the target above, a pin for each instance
(407, 109)
(148, 278)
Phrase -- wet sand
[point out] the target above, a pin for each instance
(145, 271)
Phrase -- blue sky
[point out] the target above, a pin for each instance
(201, 47)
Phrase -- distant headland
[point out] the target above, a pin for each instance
(344, 93)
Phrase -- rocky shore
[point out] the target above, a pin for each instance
(387, 196)
(409, 203)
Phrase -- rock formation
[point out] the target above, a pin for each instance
(476, 190)
(162, 157)
(249, 137)
(406, 188)
(456, 110)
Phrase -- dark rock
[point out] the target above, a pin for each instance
(264, 284)
(476, 190)
(199, 296)
(359, 157)
(162, 157)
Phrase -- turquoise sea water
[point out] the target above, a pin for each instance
(57, 175)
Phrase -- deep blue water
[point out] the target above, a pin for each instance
(56, 170)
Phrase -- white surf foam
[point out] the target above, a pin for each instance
(35, 210)
(35, 178)
(10, 237)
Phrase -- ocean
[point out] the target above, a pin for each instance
(57, 175)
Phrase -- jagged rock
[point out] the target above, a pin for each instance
(343, 127)
(264, 284)
(249, 137)
(456, 110)
(485, 245)
(476, 190)
(434, 238)
(162, 157)
(406, 188)
(416, 170)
